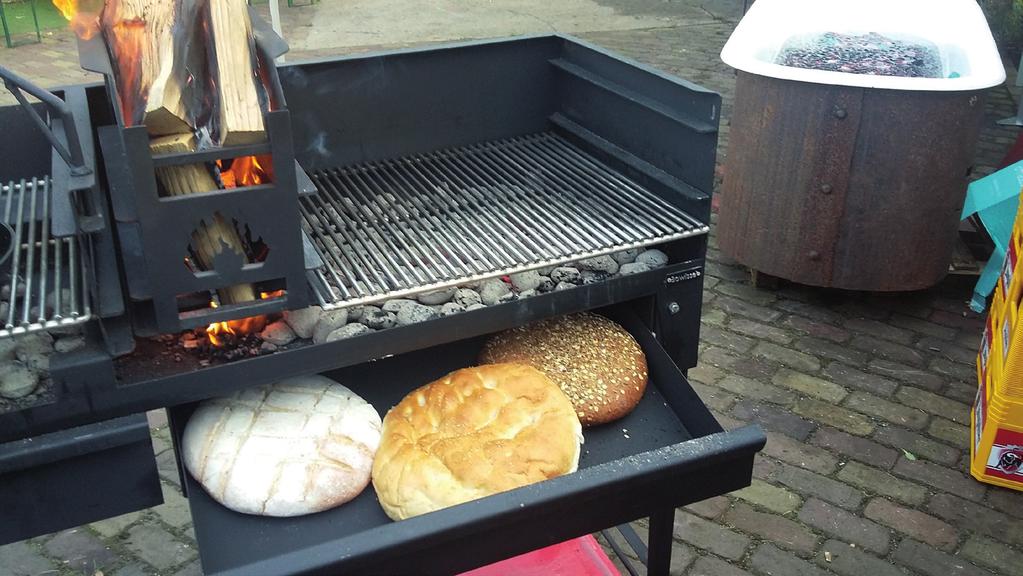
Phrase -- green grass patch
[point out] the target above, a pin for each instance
(19, 17)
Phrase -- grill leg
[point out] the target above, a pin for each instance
(662, 523)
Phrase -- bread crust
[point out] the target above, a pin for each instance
(596, 362)
(299, 446)
(475, 432)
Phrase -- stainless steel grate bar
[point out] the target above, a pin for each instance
(497, 217)
(439, 215)
(518, 188)
(414, 219)
(429, 221)
(594, 231)
(46, 288)
(608, 205)
(610, 180)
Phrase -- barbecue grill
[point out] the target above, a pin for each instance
(396, 174)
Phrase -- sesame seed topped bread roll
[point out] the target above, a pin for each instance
(475, 432)
(597, 364)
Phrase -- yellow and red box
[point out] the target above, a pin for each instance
(996, 449)
(1009, 279)
(996, 420)
(989, 357)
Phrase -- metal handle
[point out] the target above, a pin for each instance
(70, 152)
(270, 46)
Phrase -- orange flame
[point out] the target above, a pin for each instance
(68, 8)
(85, 24)
(222, 333)
(247, 171)
(125, 38)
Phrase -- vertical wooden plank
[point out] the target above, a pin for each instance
(906, 191)
(238, 110)
(785, 178)
(846, 187)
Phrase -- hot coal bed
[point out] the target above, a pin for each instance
(314, 325)
(457, 192)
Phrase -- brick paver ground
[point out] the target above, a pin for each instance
(864, 397)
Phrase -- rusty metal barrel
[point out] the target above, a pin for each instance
(844, 186)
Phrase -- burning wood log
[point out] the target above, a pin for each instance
(150, 69)
(212, 237)
(160, 51)
(239, 114)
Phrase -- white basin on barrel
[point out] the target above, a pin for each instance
(853, 180)
(957, 27)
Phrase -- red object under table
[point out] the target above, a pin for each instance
(579, 557)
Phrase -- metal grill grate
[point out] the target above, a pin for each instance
(430, 221)
(45, 289)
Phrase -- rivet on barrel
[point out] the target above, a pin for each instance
(815, 255)
(825, 188)
(840, 113)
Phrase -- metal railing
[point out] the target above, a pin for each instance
(46, 287)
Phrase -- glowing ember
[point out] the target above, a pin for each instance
(84, 22)
(222, 334)
(218, 332)
(247, 171)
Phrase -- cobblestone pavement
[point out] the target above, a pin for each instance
(865, 400)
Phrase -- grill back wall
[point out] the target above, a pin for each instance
(417, 101)
(29, 155)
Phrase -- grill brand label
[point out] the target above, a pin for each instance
(683, 276)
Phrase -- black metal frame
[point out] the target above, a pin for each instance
(160, 229)
(538, 94)
(63, 148)
(155, 232)
(656, 130)
(78, 203)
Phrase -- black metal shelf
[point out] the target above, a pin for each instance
(667, 453)
(104, 459)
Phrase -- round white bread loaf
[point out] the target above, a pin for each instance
(596, 362)
(296, 447)
(475, 432)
